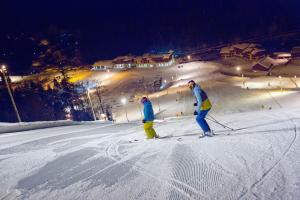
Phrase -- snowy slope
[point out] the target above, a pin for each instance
(260, 160)
(228, 94)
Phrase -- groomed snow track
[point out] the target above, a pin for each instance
(258, 160)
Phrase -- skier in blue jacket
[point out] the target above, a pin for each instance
(203, 106)
(148, 118)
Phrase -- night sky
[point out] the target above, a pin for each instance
(105, 29)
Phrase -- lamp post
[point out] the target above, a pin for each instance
(157, 96)
(238, 69)
(123, 100)
(165, 81)
(91, 105)
(3, 70)
(280, 77)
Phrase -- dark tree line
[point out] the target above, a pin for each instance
(36, 104)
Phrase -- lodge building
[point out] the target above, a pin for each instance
(144, 61)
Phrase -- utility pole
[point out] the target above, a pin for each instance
(123, 100)
(3, 69)
(157, 96)
(98, 91)
(91, 105)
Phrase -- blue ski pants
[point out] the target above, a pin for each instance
(201, 120)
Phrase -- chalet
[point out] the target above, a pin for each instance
(102, 65)
(226, 52)
(163, 60)
(265, 64)
(124, 62)
(247, 51)
(239, 48)
(144, 61)
(155, 60)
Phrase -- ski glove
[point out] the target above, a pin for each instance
(195, 104)
(195, 112)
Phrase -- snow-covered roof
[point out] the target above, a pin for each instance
(125, 58)
(103, 63)
(282, 54)
(255, 51)
(268, 62)
(249, 50)
(150, 58)
(226, 50)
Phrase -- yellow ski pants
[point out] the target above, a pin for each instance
(150, 132)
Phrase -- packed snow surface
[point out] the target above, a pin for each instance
(259, 160)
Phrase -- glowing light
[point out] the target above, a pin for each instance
(165, 81)
(3, 67)
(280, 77)
(123, 100)
(238, 69)
(189, 57)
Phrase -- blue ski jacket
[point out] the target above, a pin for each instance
(148, 111)
(203, 102)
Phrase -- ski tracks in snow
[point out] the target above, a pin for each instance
(273, 166)
(180, 186)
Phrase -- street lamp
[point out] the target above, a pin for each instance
(189, 57)
(165, 81)
(157, 96)
(91, 105)
(238, 69)
(3, 71)
(123, 100)
(280, 82)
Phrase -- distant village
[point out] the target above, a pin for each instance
(262, 61)
(247, 51)
(144, 61)
(254, 54)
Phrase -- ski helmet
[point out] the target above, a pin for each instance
(144, 99)
(191, 84)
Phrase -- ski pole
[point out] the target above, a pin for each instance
(212, 119)
(218, 123)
